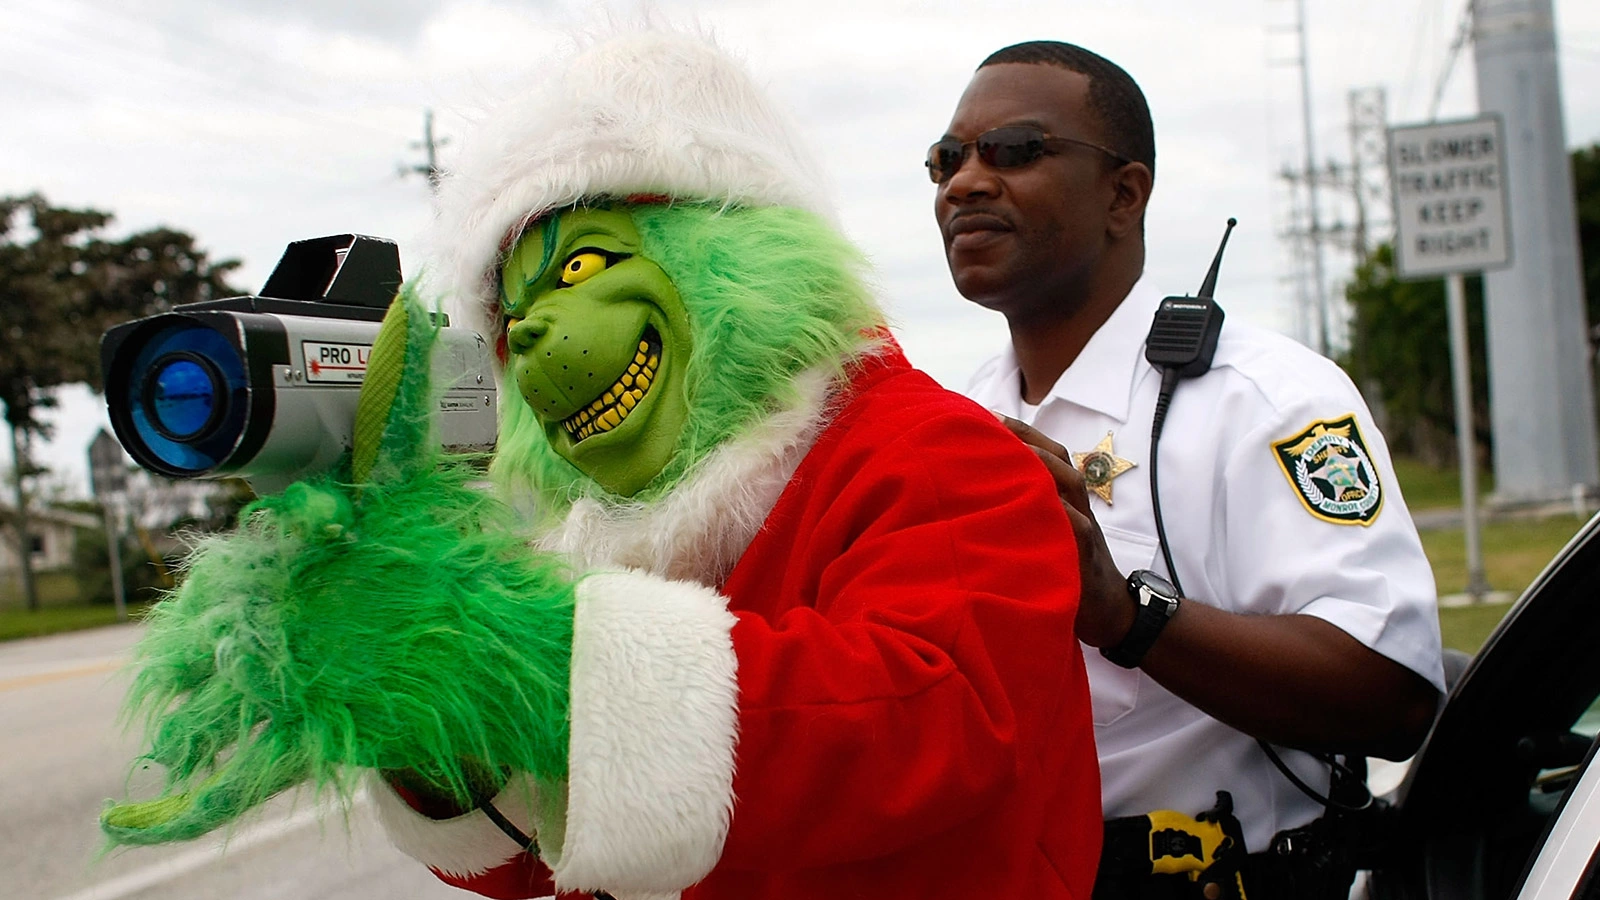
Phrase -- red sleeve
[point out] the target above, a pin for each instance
(910, 684)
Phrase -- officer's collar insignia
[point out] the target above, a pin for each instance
(1331, 471)
(1099, 466)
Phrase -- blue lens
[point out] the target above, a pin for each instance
(185, 397)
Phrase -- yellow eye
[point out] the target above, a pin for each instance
(582, 267)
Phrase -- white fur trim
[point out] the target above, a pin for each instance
(465, 845)
(699, 531)
(638, 111)
(654, 723)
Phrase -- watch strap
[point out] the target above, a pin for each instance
(1157, 603)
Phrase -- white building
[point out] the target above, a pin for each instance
(54, 536)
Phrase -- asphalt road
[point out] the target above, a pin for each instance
(63, 754)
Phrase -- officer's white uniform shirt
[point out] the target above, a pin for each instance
(1243, 536)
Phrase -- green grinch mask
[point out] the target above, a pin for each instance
(759, 294)
(597, 340)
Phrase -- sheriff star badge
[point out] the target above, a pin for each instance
(1099, 466)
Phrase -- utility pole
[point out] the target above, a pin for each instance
(1539, 374)
(1309, 235)
(429, 146)
(1320, 278)
(21, 464)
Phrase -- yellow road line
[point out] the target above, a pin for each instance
(60, 675)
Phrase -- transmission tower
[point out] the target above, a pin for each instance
(1369, 169)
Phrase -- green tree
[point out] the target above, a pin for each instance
(1400, 342)
(62, 283)
(1586, 188)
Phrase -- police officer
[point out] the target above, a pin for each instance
(1308, 614)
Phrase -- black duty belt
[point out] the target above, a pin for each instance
(1170, 856)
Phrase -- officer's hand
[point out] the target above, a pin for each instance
(1104, 613)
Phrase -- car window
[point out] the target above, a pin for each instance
(1588, 724)
(1552, 782)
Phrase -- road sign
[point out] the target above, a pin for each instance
(108, 476)
(108, 467)
(1450, 208)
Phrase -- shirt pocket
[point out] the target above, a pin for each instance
(1114, 690)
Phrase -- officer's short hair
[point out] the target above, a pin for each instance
(1113, 94)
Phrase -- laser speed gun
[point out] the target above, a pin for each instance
(264, 387)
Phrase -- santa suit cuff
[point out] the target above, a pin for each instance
(654, 723)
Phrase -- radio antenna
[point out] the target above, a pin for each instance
(1210, 284)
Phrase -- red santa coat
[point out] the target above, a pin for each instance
(910, 710)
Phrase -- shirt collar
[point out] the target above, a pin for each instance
(1103, 376)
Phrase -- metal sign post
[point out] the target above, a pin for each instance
(1455, 287)
(108, 474)
(1451, 218)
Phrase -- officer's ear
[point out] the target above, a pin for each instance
(1131, 183)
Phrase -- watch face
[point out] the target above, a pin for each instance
(1150, 581)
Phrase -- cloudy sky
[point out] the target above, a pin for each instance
(251, 123)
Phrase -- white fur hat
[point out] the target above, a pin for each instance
(645, 111)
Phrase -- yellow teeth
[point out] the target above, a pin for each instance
(614, 405)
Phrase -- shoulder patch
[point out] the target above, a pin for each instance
(1330, 470)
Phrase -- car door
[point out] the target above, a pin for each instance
(1514, 737)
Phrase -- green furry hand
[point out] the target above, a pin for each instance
(398, 623)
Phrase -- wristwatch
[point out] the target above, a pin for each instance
(1158, 602)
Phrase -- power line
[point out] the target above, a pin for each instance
(1420, 38)
(1462, 38)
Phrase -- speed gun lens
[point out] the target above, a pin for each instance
(178, 393)
(183, 397)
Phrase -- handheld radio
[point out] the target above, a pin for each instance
(1181, 344)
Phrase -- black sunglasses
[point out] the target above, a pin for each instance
(1006, 147)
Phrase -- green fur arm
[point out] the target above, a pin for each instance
(399, 623)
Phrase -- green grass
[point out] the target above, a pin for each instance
(61, 607)
(1430, 487)
(19, 623)
(1514, 552)
(1467, 627)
